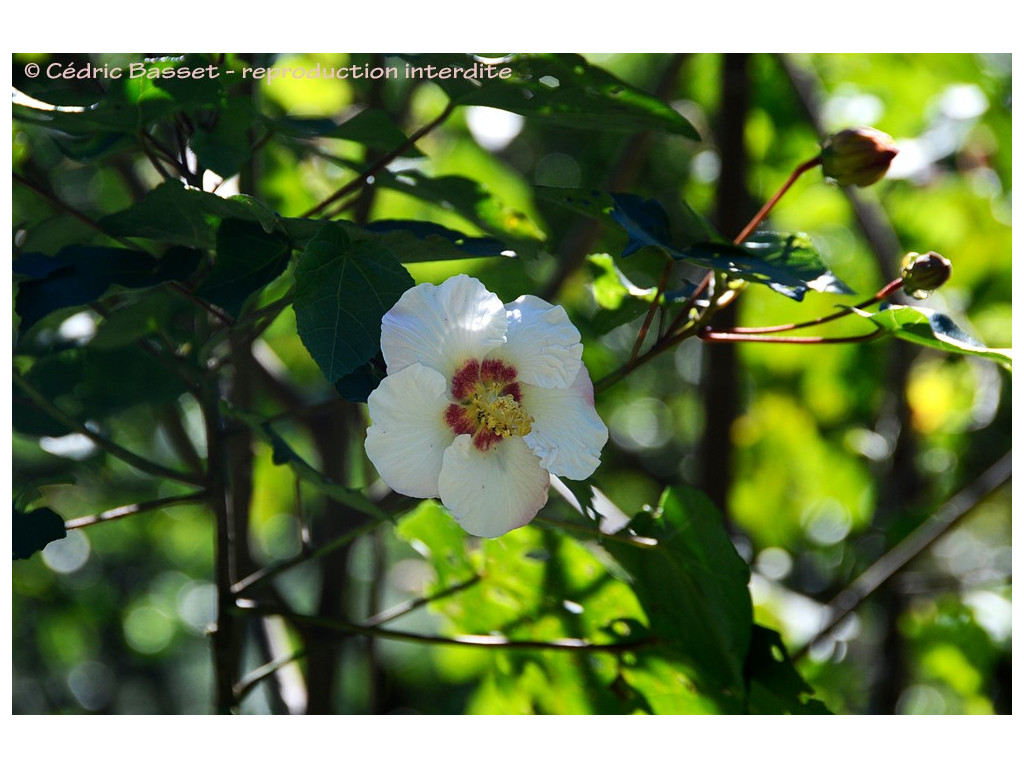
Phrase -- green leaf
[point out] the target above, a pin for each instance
(645, 222)
(175, 213)
(924, 326)
(692, 585)
(342, 290)
(561, 88)
(787, 263)
(31, 531)
(775, 687)
(373, 128)
(407, 240)
(80, 379)
(248, 258)
(436, 536)
(467, 198)
(223, 142)
(78, 274)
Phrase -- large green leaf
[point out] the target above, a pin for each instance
(343, 287)
(248, 258)
(468, 199)
(79, 274)
(921, 325)
(558, 87)
(692, 585)
(175, 213)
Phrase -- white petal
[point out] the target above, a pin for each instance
(490, 493)
(567, 433)
(543, 345)
(408, 434)
(442, 326)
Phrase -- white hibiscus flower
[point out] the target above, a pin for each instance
(483, 401)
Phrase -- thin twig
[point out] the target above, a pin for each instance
(270, 571)
(799, 171)
(707, 334)
(115, 450)
(498, 642)
(926, 534)
(383, 162)
(131, 509)
(649, 318)
(58, 203)
(258, 675)
(880, 296)
(408, 606)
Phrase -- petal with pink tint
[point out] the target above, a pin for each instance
(491, 492)
(567, 434)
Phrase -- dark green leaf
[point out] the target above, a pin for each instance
(645, 222)
(357, 386)
(920, 325)
(190, 92)
(373, 128)
(693, 587)
(416, 241)
(468, 199)
(31, 531)
(248, 258)
(178, 214)
(223, 141)
(80, 379)
(775, 687)
(786, 263)
(78, 274)
(342, 290)
(561, 88)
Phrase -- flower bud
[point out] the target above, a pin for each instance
(923, 273)
(858, 156)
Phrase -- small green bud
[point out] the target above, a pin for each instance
(923, 273)
(858, 156)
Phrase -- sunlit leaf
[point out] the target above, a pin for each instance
(692, 585)
(561, 88)
(924, 326)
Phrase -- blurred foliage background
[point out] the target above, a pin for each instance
(822, 458)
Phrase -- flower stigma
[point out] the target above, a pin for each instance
(501, 413)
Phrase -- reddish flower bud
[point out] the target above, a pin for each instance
(923, 273)
(858, 156)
